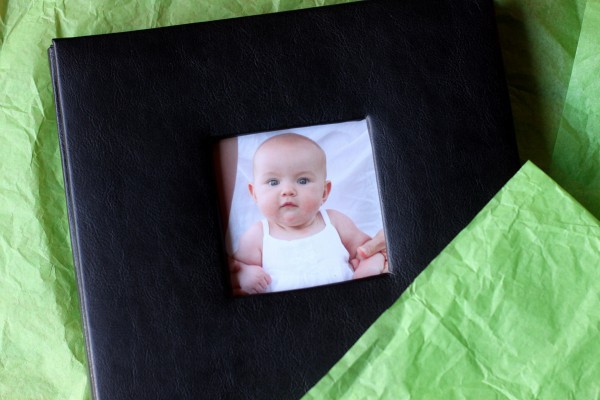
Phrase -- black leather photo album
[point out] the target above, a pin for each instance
(140, 114)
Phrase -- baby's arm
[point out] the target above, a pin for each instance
(247, 275)
(352, 238)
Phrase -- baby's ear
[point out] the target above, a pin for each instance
(326, 190)
(251, 190)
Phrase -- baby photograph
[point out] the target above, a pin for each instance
(302, 208)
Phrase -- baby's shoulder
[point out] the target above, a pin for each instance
(255, 230)
(337, 217)
(253, 236)
(340, 221)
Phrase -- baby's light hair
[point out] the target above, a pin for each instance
(293, 137)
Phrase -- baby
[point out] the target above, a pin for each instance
(297, 245)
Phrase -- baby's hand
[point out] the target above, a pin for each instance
(247, 279)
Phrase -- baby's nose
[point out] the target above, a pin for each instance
(288, 190)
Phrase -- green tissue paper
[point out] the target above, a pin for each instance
(576, 157)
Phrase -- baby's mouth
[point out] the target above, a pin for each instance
(288, 204)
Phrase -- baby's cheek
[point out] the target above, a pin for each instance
(314, 203)
(267, 205)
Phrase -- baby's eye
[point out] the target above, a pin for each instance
(302, 181)
(272, 182)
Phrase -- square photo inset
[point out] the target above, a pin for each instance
(302, 208)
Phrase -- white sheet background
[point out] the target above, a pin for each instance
(349, 168)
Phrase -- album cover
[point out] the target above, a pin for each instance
(381, 117)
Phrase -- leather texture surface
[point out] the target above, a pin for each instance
(138, 115)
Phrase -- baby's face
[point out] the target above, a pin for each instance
(289, 181)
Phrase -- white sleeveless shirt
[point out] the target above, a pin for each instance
(319, 259)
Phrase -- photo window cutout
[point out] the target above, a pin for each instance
(298, 204)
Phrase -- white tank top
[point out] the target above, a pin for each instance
(319, 259)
